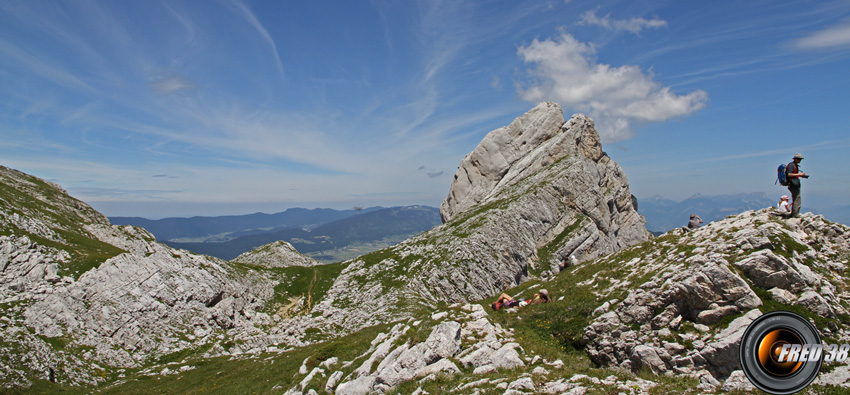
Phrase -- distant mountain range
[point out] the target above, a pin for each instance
(331, 235)
(224, 228)
(664, 214)
(309, 231)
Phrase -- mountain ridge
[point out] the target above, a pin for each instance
(664, 214)
(167, 229)
(370, 226)
(665, 313)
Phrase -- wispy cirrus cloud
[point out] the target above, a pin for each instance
(633, 25)
(127, 194)
(170, 85)
(837, 36)
(566, 71)
(42, 67)
(430, 172)
(785, 152)
(249, 16)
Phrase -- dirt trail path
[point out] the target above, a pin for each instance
(310, 290)
(286, 310)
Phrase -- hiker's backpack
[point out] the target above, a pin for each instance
(781, 177)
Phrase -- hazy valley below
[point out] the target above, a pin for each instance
(325, 234)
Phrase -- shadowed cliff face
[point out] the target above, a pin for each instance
(530, 195)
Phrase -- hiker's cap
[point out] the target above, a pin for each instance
(798, 156)
(784, 197)
(544, 293)
(693, 216)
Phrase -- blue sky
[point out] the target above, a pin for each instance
(182, 108)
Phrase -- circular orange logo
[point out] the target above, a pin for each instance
(781, 353)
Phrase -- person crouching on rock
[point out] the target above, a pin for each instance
(783, 205)
(693, 223)
(567, 262)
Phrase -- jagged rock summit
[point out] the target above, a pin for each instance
(530, 195)
(541, 142)
(535, 140)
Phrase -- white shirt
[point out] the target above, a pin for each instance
(784, 206)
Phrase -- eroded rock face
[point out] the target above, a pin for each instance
(142, 299)
(688, 283)
(529, 196)
(494, 164)
(149, 301)
(135, 306)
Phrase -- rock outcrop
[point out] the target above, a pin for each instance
(530, 195)
(150, 301)
(507, 154)
(111, 296)
(692, 294)
(277, 254)
(463, 335)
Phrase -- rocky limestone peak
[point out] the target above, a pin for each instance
(526, 199)
(506, 155)
(277, 254)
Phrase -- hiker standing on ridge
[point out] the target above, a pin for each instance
(794, 174)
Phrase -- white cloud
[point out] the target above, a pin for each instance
(615, 97)
(634, 25)
(172, 85)
(832, 37)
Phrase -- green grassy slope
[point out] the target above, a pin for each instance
(49, 217)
